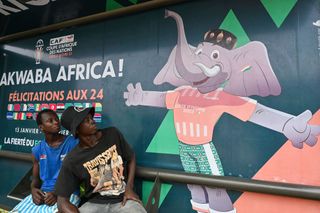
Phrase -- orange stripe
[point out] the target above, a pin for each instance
(290, 165)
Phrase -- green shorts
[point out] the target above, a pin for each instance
(203, 159)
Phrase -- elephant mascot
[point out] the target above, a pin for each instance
(211, 79)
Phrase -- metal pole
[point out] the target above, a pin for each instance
(16, 155)
(233, 183)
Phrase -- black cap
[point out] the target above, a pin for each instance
(73, 116)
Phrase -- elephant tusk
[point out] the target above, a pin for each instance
(210, 72)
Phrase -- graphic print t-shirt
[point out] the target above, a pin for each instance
(101, 168)
(106, 172)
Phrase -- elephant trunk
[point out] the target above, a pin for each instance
(182, 44)
(183, 51)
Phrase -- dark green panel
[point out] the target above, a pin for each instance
(11, 173)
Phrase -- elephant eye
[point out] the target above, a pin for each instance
(215, 54)
(198, 51)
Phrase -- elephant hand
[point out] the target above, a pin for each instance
(298, 131)
(134, 96)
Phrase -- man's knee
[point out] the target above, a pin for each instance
(133, 207)
(92, 207)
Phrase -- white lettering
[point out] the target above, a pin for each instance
(71, 71)
(3, 79)
(62, 74)
(18, 4)
(38, 75)
(10, 78)
(5, 10)
(79, 71)
(20, 77)
(87, 71)
(95, 76)
(47, 76)
(29, 77)
(108, 70)
(38, 2)
(4, 7)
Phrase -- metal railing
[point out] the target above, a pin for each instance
(231, 183)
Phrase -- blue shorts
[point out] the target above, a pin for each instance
(27, 205)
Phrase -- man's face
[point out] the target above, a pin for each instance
(87, 127)
(50, 123)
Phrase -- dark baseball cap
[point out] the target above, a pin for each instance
(73, 116)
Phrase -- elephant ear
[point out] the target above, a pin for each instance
(169, 72)
(251, 72)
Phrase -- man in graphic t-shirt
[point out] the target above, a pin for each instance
(103, 161)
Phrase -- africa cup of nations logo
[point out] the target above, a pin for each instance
(38, 51)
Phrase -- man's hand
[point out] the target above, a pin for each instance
(129, 194)
(50, 199)
(37, 196)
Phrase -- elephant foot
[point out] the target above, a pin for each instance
(200, 207)
(198, 193)
(219, 200)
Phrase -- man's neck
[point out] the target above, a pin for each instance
(89, 141)
(54, 140)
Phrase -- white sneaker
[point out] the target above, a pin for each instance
(215, 211)
(200, 207)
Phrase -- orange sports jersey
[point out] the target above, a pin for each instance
(195, 114)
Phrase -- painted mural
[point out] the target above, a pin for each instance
(225, 88)
(212, 79)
